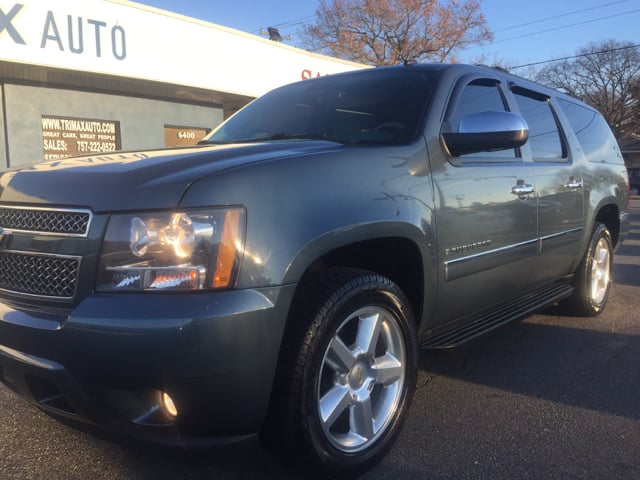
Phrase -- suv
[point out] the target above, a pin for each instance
(280, 278)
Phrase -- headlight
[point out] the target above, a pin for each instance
(178, 250)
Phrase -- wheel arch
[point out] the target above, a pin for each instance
(392, 251)
(609, 215)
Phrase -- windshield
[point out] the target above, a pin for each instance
(378, 107)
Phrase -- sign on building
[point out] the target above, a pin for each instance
(175, 136)
(64, 137)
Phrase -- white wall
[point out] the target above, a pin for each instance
(118, 37)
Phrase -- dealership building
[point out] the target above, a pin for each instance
(92, 76)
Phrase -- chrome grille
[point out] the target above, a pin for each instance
(47, 221)
(44, 275)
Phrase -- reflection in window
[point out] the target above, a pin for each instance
(477, 97)
(544, 136)
(384, 107)
(592, 131)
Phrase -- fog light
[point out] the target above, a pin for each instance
(168, 404)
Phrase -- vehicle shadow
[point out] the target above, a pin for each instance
(241, 460)
(627, 274)
(572, 361)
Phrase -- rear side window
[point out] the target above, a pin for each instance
(593, 133)
(545, 139)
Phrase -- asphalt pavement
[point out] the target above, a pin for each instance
(551, 397)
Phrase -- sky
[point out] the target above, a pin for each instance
(525, 32)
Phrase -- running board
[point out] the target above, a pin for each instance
(463, 332)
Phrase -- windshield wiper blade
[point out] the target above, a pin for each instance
(275, 136)
(297, 136)
(285, 136)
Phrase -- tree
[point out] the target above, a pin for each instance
(388, 32)
(607, 76)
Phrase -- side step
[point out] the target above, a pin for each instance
(472, 328)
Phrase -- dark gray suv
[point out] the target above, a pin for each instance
(280, 278)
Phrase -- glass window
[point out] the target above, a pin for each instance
(480, 96)
(545, 139)
(384, 107)
(594, 135)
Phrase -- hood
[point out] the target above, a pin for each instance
(137, 180)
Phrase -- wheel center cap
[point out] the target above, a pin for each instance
(357, 376)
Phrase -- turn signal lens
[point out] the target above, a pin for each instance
(228, 249)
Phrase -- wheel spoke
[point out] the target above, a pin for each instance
(333, 403)
(600, 272)
(368, 332)
(339, 357)
(361, 418)
(603, 254)
(388, 369)
(361, 379)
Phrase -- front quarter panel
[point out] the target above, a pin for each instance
(299, 208)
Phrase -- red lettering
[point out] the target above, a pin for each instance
(308, 74)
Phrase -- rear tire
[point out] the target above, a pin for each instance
(593, 279)
(347, 372)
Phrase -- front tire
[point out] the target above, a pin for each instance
(347, 371)
(593, 279)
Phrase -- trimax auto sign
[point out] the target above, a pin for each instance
(64, 136)
(70, 33)
(6, 25)
(127, 39)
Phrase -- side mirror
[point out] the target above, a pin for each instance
(487, 132)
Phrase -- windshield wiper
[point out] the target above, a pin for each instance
(275, 136)
(286, 136)
(297, 136)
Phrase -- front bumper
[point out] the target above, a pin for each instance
(109, 361)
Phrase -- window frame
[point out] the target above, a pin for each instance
(452, 104)
(562, 136)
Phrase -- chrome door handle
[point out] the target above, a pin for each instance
(522, 189)
(573, 184)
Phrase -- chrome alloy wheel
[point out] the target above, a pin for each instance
(600, 271)
(361, 379)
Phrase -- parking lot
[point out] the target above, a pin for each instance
(549, 397)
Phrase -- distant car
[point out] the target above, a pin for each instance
(280, 278)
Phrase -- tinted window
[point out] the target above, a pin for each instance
(544, 136)
(476, 98)
(479, 96)
(594, 135)
(372, 107)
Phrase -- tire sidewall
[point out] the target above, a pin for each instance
(593, 307)
(370, 291)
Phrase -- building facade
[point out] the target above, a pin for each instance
(631, 153)
(92, 76)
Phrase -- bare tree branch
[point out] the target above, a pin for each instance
(387, 32)
(607, 76)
